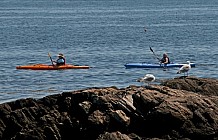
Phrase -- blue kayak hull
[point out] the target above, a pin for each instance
(148, 65)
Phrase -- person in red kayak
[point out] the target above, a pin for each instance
(165, 59)
(60, 60)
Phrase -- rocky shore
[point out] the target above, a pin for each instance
(180, 108)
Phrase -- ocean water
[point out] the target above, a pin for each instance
(104, 35)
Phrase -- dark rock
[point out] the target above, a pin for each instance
(204, 86)
(180, 108)
(113, 136)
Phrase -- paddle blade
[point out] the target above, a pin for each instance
(155, 54)
(50, 58)
(151, 49)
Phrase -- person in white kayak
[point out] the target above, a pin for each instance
(60, 60)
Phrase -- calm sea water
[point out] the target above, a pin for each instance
(104, 35)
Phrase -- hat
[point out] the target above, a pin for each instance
(60, 55)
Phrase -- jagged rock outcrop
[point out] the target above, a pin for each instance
(180, 108)
(202, 86)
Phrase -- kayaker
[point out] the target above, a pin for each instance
(165, 59)
(60, 60)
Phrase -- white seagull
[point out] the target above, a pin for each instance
(185, 68)
(148, 78)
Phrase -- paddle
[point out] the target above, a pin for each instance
(50, 58)
(155, 54)
(164, 68)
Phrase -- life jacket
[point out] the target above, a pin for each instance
(61, 61)
(168, 60)
(164, 60)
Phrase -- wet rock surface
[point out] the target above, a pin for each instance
(180, 108)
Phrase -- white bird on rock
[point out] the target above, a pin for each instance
(148, 78)
(185, 68)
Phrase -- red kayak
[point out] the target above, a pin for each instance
(51, 67)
